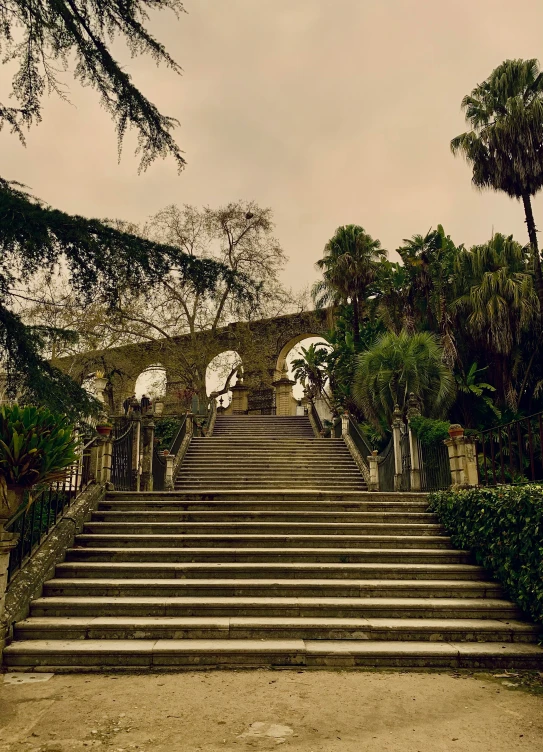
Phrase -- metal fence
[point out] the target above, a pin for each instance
(33, 523)
(435, 468)
(123, 473)
(386, 467)
(512, 453)
(405, 483)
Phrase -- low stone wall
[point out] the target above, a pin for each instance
(27, 583)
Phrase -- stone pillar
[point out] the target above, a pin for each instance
(284, 400)
(373, 483)
(396, 436)
(168, 479)
(345, 424)
(105, 459)
(412, 411)
(148, 436)
(8, 541)
(462, 458)
(240, 398)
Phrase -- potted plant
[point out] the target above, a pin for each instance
(36, 446)
(455, 430)
(104, 429)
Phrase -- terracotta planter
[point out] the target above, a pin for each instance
(11, 501)
(455, 431)
(104, 430)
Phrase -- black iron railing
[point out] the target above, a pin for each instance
(33, 522)
(435, 468)
(386, 466)
(316, 417)
(361, 444)
(123, 472)
(512, 453)
(159, 458)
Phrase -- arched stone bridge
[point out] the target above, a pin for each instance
(262, 345)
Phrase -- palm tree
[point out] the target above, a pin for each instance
(311, 370)
(496, 302)
(473, 391)
(397, 365)
(505, 143)
(348, 268)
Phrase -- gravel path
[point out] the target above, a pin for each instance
(310, 711)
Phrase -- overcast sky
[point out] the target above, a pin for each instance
(328, 111)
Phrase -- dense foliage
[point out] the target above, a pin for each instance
(429, 431)
(504, 529)
(36, 446)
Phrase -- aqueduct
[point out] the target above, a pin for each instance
(263, 346)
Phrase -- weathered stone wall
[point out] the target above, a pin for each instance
(27, 583)
(262, 346)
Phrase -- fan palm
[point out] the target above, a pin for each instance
(348, 267)
(495, 297)
(505, 143)
(397, 365)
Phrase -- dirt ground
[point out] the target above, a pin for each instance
(310, 711)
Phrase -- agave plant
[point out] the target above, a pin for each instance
(36, 446)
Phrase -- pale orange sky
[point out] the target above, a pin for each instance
(328, 111)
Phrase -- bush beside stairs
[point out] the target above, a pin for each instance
(270, 552)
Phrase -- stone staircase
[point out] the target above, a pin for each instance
(287, 562)
(267, 452)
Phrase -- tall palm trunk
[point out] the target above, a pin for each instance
(356, 321)
(532, 233)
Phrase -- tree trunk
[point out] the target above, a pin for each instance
(356, 322)
(532, 233)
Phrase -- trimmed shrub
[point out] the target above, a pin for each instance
(503, 527)
(429, 431)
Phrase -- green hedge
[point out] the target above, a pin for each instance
(504, 528)
(428, 430)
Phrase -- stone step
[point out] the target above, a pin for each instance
(269, 570)
(138, 655)
(113, 552)
(269, 628)
(164, 515)
(264, 507)
(369, 607)
(264, 541)
(314, 495)
(192, 487)
(259, 527)
(260, 588)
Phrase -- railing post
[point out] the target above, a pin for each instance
(168, 478)
(462, 458)
(397, 438)
(94, 469)
(413, 411)
(345, 424)
(8, 541)
(105, 459)
(373, 461)
(148, 435)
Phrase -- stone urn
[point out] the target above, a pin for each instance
(455, 431)
(11, 498)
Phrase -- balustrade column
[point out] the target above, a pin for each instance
(148, 436)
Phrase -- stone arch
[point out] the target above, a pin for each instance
(152, 380)
(222, 371)
(285, 350)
